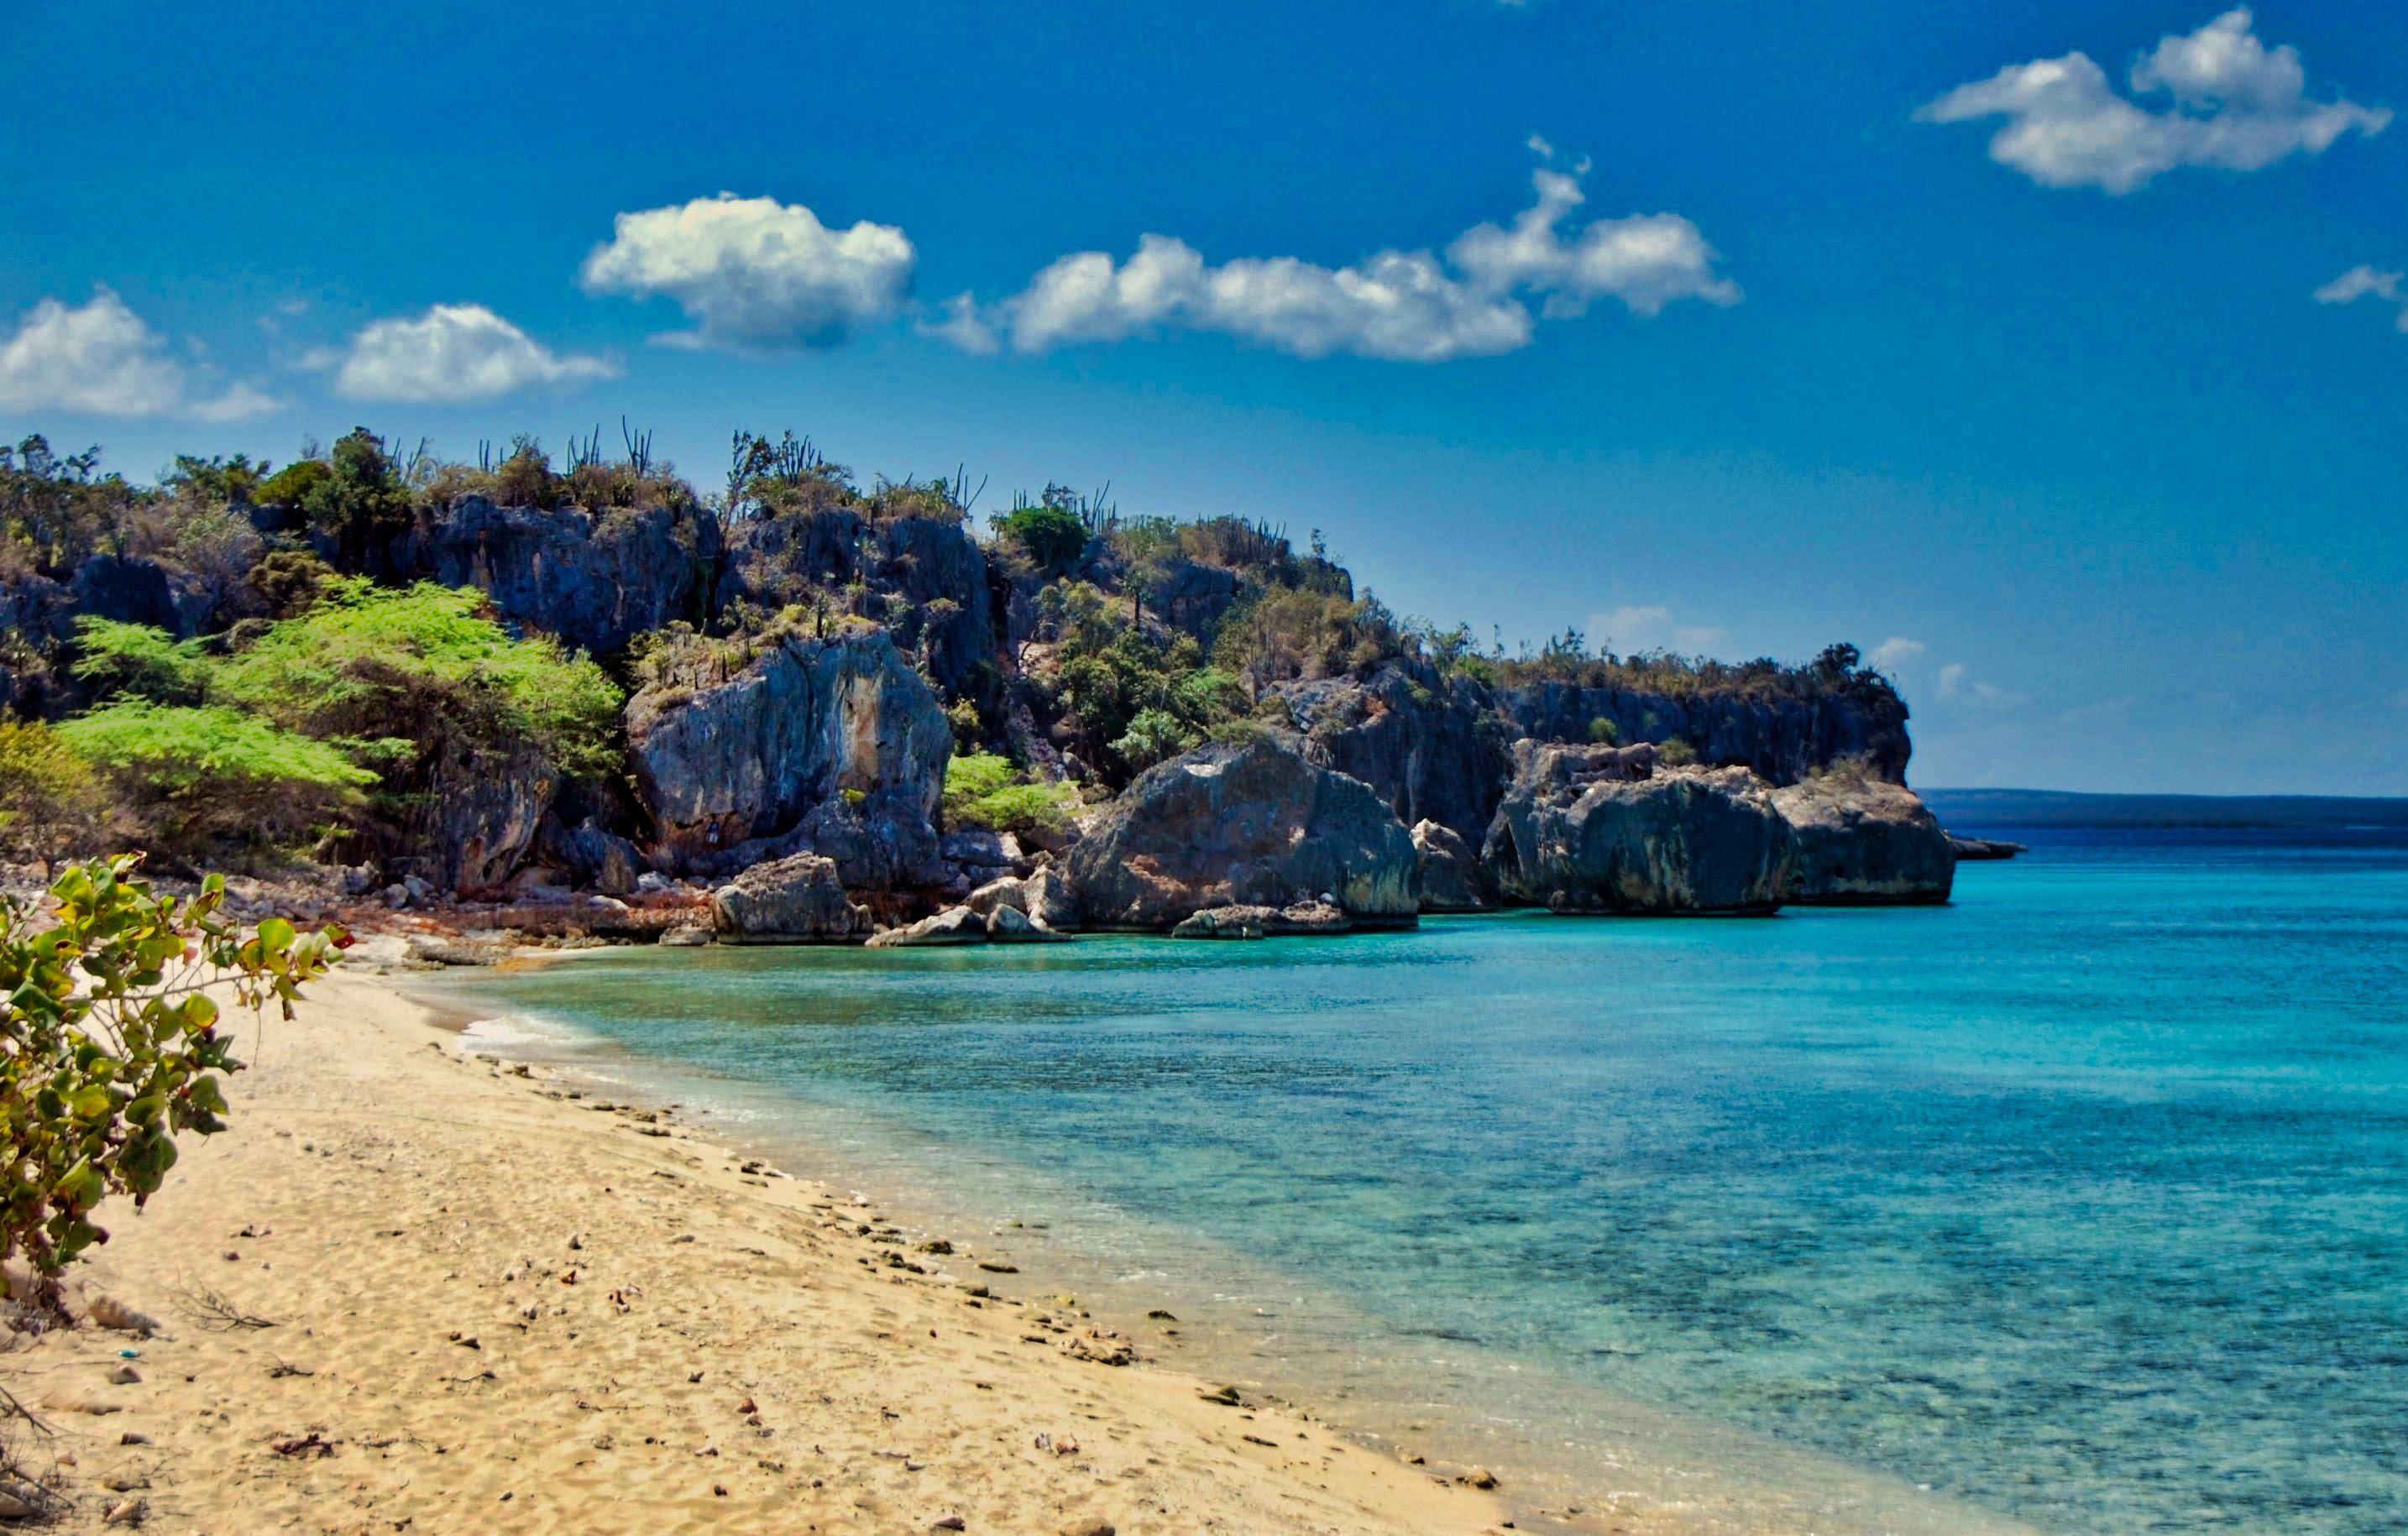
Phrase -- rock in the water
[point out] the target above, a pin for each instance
(1227, 922)
(1599, 829)
(1977, 850)
(831, 747)
(798, 900)
(1010, 925)
(953, 925)
(1864, 842)
(1046, 896)
(1006, 891)
(1450, 871)
(1782, 737)
(691, 936)
(1243, 826)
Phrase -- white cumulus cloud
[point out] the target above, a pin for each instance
(454, 351)
(1896, 652)
(2228, 102)
(103, 358)
(1405, 306)
(2364, 282)
(754, 274)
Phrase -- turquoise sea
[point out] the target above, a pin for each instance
(2081, 1204)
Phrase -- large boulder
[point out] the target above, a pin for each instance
(1865, 842)
(1255, 825)
(831, 747)
(486, 809)
(1601, 829)
(955, 925)
(1450, 871)
(595, 579)
(797, 900)
(1432, 746)
(592, 854)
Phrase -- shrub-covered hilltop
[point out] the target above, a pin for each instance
(521, 678)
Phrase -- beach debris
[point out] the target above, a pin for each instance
(576, 1242)
(125, 1375)
(935, 1245)
(283, 1368)
(124, 1481)
(127, 1513)
(111, 1312)
(1257, 1440)
(12, 1507)
(1088, 1528)
(133, 1436)
(993, 1267)
(949, 1522)
(1479, 1477)
(1161, 1317)
(1226, 1397)
(210, 1309)
(304, 1447)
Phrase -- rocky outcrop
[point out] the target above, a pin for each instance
(830, 747)
(1781, 738)
(1600, 828)
(1263, 922)
(925, 578)
(797, 900)
(1046, 897)
(487, 809)
(595, 579)
(1982, 849)
(1450, 871)
(955, 925)
(1432, 747)
(1864, 843)
(1255, 825)
(134, 591)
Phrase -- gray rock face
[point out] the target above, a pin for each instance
(797, 900)
(134, 590)
(1318, 918)
(595, 856)
(833, 746)
(594, 579)
(1242, 826)
(1588, 829)
(1046, 897)
(925, 580)
(1010, 925)
(1433, 747)
(1865, 843)
(1450, 871)
(1780, 739)
(488, 808)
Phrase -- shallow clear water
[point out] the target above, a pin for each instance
(2083, 1201)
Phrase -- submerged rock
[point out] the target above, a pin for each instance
(1243, 826)
(797, 900)
(1600, 828)
(954, 925)
(1977, 850)
(830, 746)
(1262, 922)
(1450, 871)
(1864, 842)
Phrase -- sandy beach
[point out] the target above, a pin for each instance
(495, 1307)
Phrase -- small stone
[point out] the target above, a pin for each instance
(951, 1522)
(125, 1375)
(1089, 1527)
(1481, 1477)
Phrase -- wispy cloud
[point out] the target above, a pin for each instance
(754, 274)
(2230, 103)
(1635, 627)
(2366, 282)
(103, 358)
(1403, 306)
(451, 353)
(1958, 686)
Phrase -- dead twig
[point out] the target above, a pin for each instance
(210, 1309)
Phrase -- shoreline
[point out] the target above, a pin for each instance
(494, 1310)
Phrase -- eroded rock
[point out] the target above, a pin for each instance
(797, 900)
(1865, 842)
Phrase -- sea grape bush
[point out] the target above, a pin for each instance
(112, 1047)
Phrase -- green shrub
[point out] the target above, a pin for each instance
(1604, 732)
(50, 806)
(983, 791)
(140, 660)
(1152, 735)
(1675, 752)
(193, 776)
(1052, 537)
(109, 1049)
(290, 486)
(371, 662)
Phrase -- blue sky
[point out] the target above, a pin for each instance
(1730, 329)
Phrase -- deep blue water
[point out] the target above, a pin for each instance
(2083, 1200)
